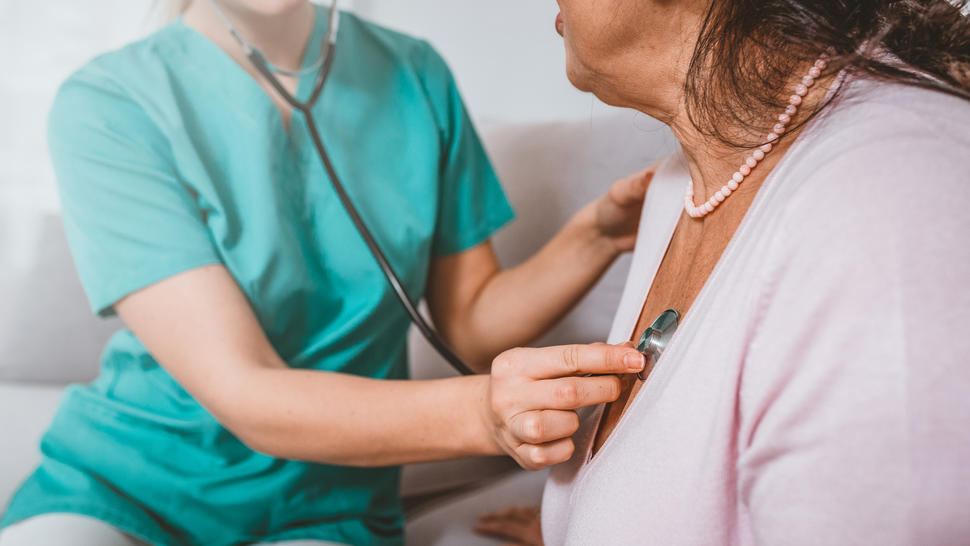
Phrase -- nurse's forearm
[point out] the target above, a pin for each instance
(200, 327)
(519, 304)
(349, 420)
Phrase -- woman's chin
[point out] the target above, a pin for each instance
(578, 77)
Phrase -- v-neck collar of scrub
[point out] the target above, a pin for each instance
(256, 99)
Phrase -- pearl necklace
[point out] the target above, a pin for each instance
(752, 161)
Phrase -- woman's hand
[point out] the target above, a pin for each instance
(532, 394)
(616, 215)
(516, 525)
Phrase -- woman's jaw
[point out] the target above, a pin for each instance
(636, 54)
(631, 53)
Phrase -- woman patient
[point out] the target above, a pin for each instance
(811, 235)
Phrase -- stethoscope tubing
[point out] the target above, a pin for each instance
(305, 108)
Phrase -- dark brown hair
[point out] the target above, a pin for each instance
(749, 50)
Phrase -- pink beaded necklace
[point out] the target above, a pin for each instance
(752, 161)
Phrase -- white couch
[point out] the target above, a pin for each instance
(49, 339)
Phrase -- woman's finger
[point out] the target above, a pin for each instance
(540, 427)
(567, 360)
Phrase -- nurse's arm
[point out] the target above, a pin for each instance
(482, 310)
(199, 326)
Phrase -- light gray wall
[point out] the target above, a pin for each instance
(505, 54)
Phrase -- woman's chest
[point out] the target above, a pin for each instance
(667, 473)
(688, 262)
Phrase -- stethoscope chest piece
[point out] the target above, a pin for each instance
(654, 340)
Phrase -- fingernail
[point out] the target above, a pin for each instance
(634, 361)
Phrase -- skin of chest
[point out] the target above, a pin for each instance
(694, 250)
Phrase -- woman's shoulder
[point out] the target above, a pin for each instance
(883, 155)
(872, 200)
(872, 118)
(877, 134)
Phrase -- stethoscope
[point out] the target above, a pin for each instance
(654, 339)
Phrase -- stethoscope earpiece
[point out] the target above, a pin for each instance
(655, 339)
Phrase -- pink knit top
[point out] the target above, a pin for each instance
(818, 392)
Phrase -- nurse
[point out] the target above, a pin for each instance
(258, 393)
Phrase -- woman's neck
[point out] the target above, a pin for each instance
(281, 37)
(712, 162)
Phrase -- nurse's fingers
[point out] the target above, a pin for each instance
(567, 360)
(570, 393)
(540, 427)
(537, 457)
(631, 190)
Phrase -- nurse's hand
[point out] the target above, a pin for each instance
(616, 214)
(532, 395)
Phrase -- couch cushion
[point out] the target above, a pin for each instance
(26, 411)
(47, 332)
(450, 521)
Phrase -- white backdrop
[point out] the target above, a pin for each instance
(40, 44)
(505, 54)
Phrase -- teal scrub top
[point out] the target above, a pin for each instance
(169, 157)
